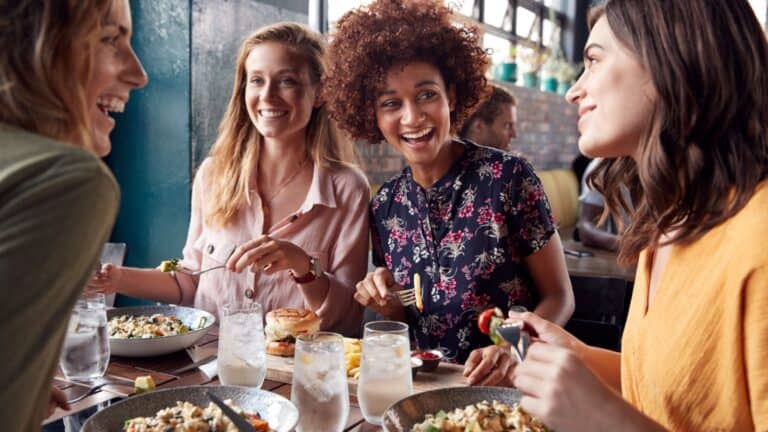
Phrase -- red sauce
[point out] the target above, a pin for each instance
(426, 355)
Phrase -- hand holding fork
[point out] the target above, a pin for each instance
(379, 291)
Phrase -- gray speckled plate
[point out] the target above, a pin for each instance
(281, 414)
(160, 345)
(407, 412)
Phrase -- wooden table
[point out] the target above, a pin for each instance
(278, 380)
(602, 264)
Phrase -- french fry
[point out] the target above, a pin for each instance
(352, 350)
(417, 292)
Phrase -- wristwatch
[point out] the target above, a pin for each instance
(315, 271)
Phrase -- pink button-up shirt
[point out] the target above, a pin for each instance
(330, 225)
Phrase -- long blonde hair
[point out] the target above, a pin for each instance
(47, 47)
(235, 153)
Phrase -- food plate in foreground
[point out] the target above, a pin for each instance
(410, 414)
(278, 411)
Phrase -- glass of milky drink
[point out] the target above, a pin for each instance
(320, 383)
(242, 358)
(85, 353)
(385, 368)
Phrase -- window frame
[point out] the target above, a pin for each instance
(318, 11)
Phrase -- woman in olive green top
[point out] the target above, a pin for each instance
(65, 65)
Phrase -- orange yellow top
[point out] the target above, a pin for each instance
(698, 358)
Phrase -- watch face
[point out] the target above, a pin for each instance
(317, 269)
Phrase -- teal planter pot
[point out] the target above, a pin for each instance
(549, 85)
(563, 87)
(530, 80)
(506, 72)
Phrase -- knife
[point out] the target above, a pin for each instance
(239, 421)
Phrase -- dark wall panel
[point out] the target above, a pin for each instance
(150, 156)
(218, 28)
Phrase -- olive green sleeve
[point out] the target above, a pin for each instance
(57, 208)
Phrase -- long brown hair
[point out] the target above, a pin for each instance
(706, 148)
(235, 153)
(46, 48)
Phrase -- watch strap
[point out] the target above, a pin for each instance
(310, 276)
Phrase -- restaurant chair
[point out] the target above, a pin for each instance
(601, 310)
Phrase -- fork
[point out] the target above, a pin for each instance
(407, 297)
(514, 335)
(94, 388)
(198, 272)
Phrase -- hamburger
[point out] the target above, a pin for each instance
(284, 324)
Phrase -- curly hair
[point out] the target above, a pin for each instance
(369, 40)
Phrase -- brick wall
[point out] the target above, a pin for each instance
(547, 136)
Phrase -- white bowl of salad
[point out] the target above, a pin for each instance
(146, 331)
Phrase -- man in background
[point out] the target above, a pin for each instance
(494, 124)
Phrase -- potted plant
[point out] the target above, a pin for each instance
(549, 75)
(532, 61)
(565, 73)
(507, 69)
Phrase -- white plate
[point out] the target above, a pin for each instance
(160, 345)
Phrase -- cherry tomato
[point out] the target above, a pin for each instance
(484, 320)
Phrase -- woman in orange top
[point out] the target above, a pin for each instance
(677, 95)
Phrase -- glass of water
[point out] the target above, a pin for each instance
(85, 353)
(385, 368)
(242, 356)
(320, 383)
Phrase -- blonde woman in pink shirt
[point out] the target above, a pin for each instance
(277, 201)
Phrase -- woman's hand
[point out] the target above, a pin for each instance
(562, 392)
(57, 399)
(546, 331)
(490, 366)
(269, 256)
(375, 292)
(106, 280)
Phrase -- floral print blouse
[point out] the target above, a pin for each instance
(466, 236)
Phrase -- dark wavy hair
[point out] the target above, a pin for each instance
(369, 40)
(706, 149)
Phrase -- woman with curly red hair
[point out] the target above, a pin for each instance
(473, 222)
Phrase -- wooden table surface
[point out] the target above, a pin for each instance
(127, 369)
(601, 264)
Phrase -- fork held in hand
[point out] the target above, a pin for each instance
(199, 272)
(407, 297)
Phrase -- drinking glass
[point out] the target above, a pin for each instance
(85, 353)
(385, 368)
(320, 383)
(242, 356)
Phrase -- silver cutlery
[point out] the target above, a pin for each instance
(102, 383)
(198, 272)
(518, 338)
(175, 373)
(239, 421)
(407, 297)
